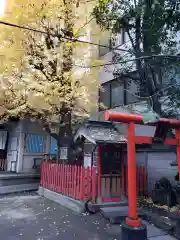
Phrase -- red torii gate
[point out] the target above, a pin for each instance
(133, 227)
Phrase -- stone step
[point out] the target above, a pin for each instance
(116, 214)
(94, 208)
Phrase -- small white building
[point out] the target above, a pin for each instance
(23, 145)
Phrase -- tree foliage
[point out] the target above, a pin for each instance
(152, 28)
(44, 83)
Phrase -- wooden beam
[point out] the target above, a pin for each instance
(138, 119)
(148, 140)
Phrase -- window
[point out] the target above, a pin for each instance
(104, 96)
(117, 94)
(112, 94)
(35, 143)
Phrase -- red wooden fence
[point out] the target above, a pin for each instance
(71, 180)
(80, 183)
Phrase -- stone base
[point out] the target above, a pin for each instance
(132, 233)
(177, 229)
(75, 205)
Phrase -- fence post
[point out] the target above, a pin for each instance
(46, 174)
(65, 185)
(82, 186)
(78, 182)
(42, 175)
(75, 182)
(68, 178)
(88, 182)
(63, 178)
(93, 179)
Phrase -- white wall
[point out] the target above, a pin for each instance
(13, 144)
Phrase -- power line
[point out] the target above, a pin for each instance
(156, 93)
(96, 44)
(61, 36)
(131, 60)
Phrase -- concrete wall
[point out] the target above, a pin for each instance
(157, 164)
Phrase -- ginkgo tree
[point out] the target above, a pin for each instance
(47, 85)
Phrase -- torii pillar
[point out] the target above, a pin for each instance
(132, 227)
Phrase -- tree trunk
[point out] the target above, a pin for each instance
(65, 131)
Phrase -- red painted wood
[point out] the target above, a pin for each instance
(55, 177)
(70, 185)
(60, 178)
(93, 183)
(111, 199)
(65, 169)
(52, 177)
(148, 140)
(53, 173)
(42, 174)
(75, 181)
(138, 119)
(132, 190)
(63, 178)
(178, 149)
(67, 175)
(48, 176)
(88, 183)
(72, 179)
(69, 179)
(122, 172)
(99, 171)
(79, 182)
(45, 174)
(82, 187)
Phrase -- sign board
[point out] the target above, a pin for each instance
(87, 160)
(63, 153)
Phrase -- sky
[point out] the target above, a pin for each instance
(2, 7)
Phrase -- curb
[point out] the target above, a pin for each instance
(70, 203)
(18, 188)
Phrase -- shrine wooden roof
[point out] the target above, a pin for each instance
(100, 131)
